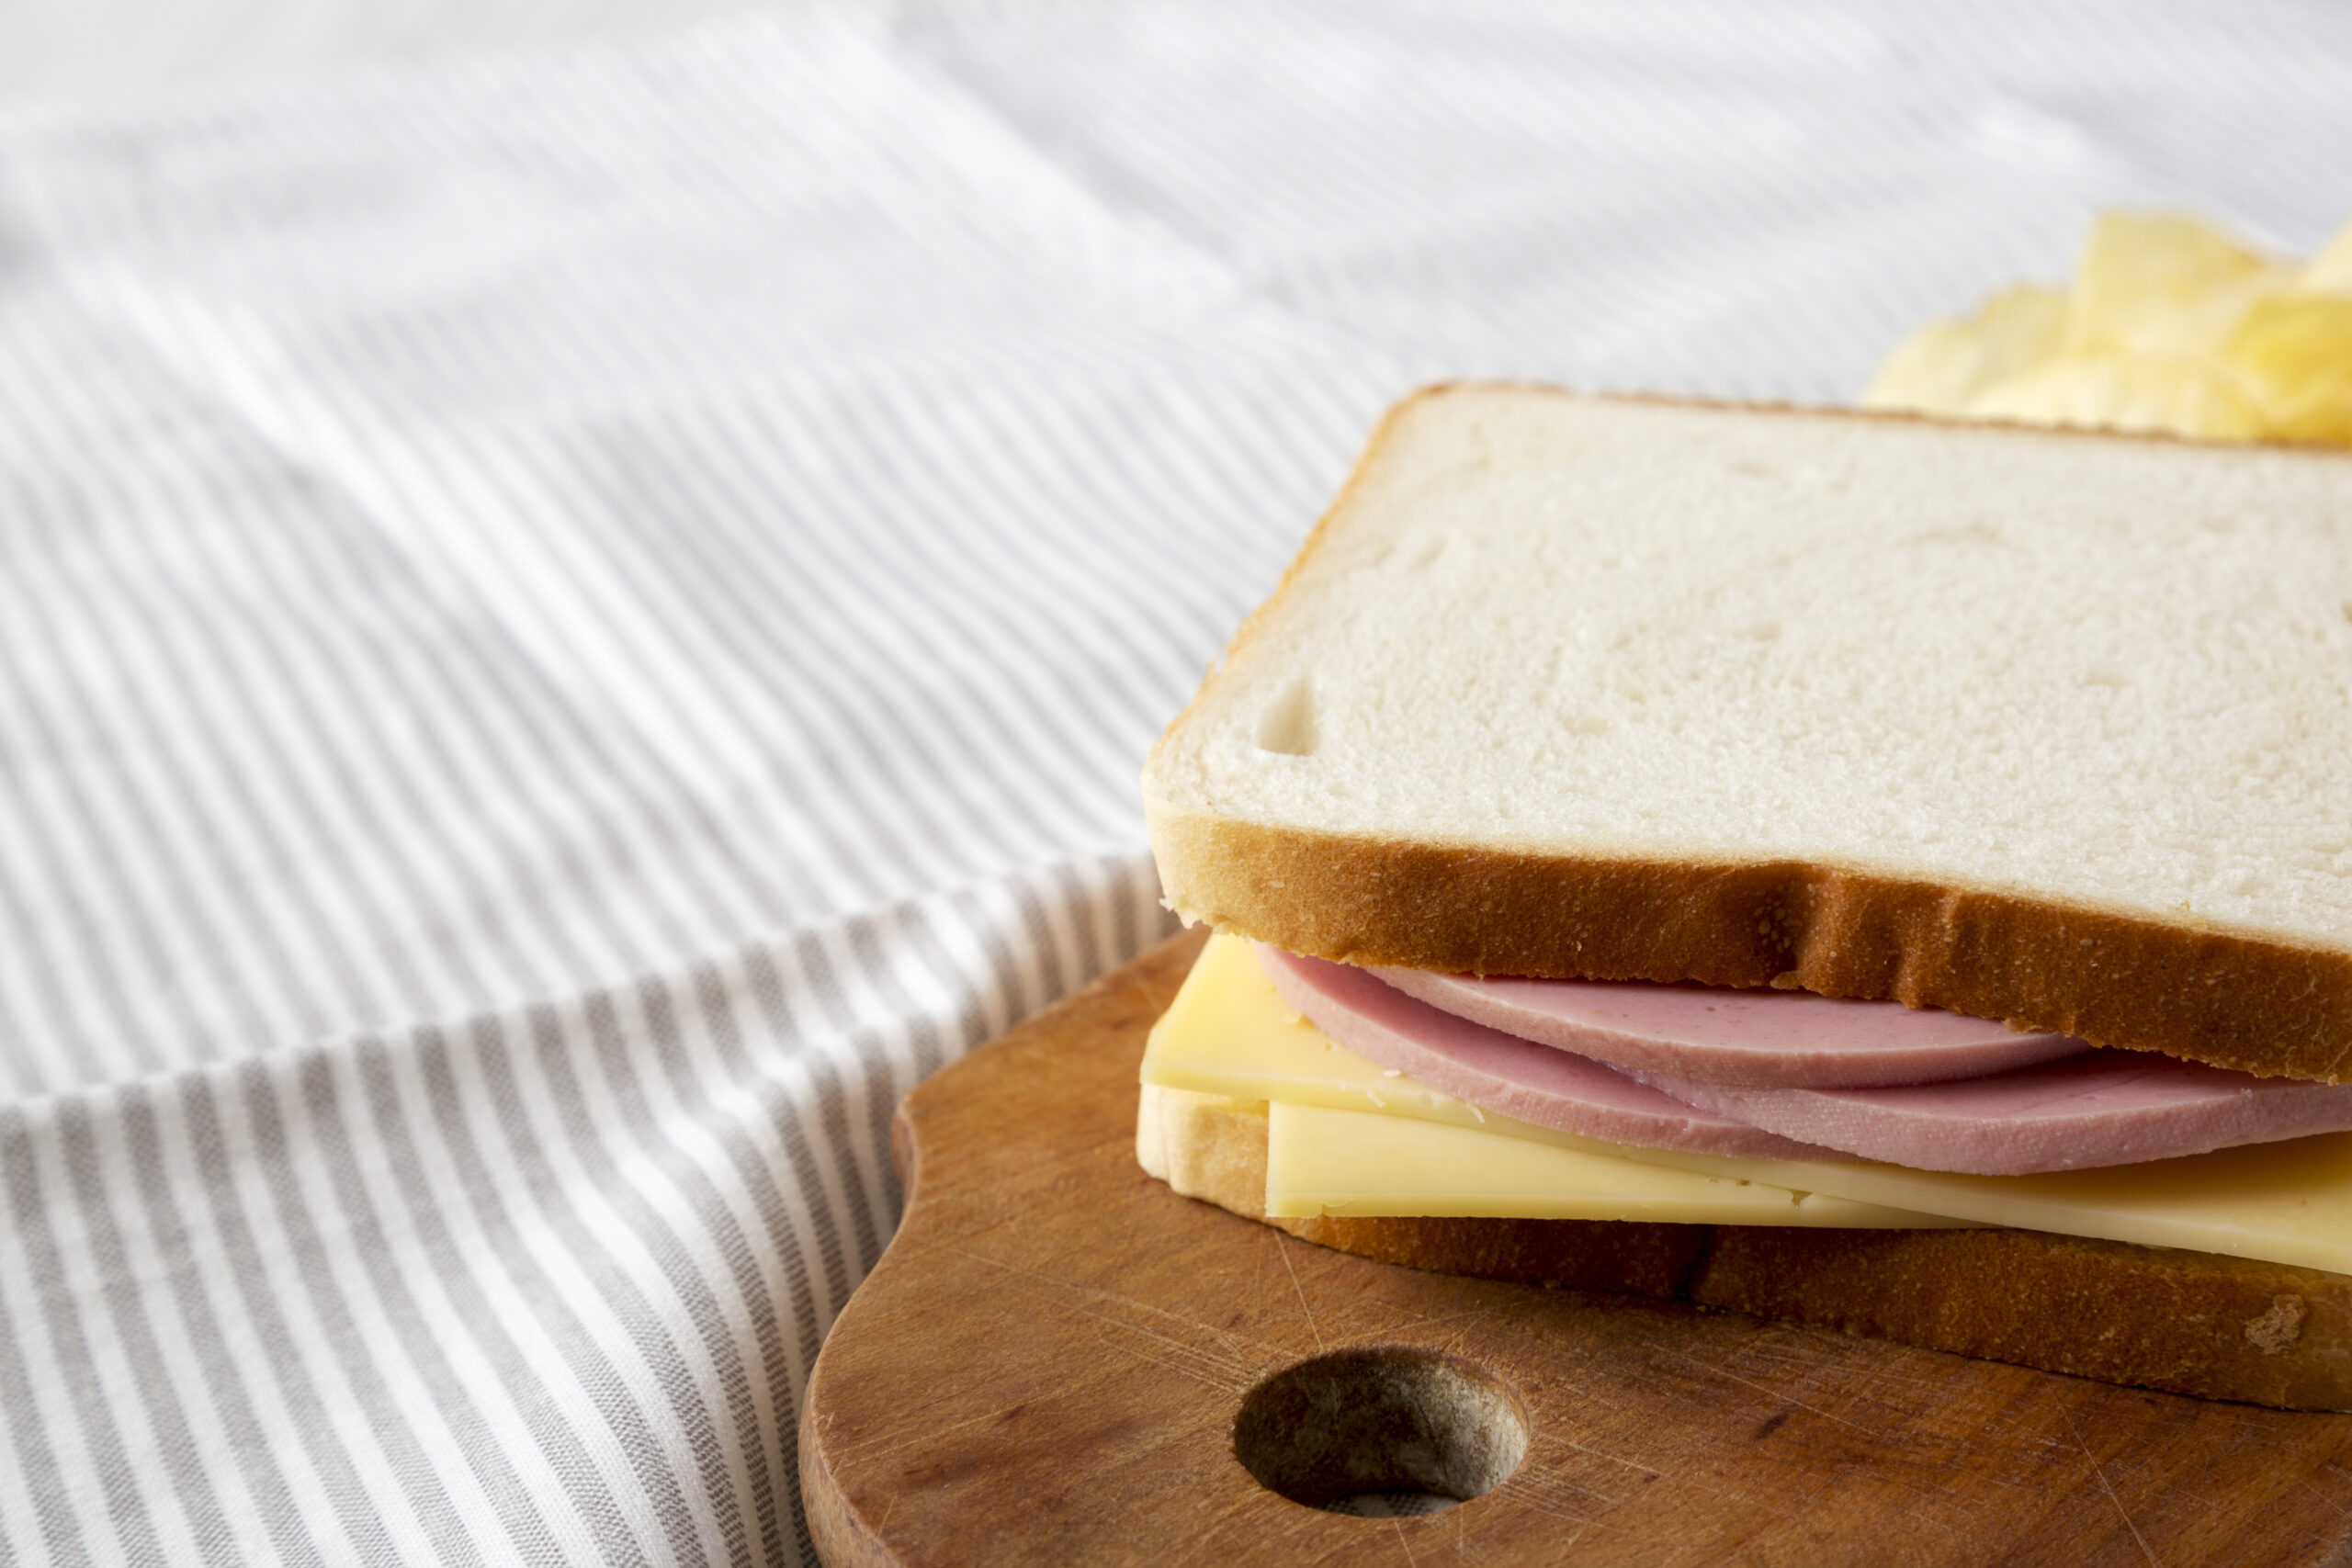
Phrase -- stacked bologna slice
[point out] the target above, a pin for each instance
(1789, 1075)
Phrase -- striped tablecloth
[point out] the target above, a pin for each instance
(571, 626)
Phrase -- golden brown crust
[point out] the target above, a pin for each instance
(2235, 1001)
(2219, 1327)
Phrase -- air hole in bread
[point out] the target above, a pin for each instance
(1287, 726)
(1381, 1431)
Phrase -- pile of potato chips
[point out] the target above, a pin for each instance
(2169, 326)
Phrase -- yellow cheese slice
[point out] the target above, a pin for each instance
(1320, 1161)
(2283, 1202)
(1230, 1032)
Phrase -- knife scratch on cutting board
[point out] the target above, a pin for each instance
(1558, 1487)
(1531, 1496)
(897, 1440)
(2099, 1471)
(1240, 1344)
(1234, 1371)
(1282, 1246)
(1186, 1360)
(1768, 1390)
(1551, 1438)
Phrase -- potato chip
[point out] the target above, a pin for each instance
(2120, 390)
(2294, 352)
(1945, 364)
(2167, 285)
(2170, 326)
(2331, 270)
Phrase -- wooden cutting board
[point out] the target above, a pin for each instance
(1049, 1363)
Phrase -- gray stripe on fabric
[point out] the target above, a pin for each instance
(227, 814)
(91, 846)
(410, 801)
(727, 494)
(168, 832)
(85, 1401)
(476, 750)
(43, 1490)
(327, 1087)
(657, 1357)
(759, 1414)
(893, 749)
(58, 947)
(265, 1105)
(232, 1402)
(488, 1171)
(173, 1444)
(208, 1147)
(831, 1130)
(457, 1153)
(497, 752)
(609, 1057)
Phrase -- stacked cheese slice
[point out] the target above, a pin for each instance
(1347, 1138)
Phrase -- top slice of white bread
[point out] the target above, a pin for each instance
(2048, 727)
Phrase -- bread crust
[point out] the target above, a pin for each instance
(2267, 1008)
(2155, 1317)
(2190, 1321)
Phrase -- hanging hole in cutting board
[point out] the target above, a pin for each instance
(1380, 1431)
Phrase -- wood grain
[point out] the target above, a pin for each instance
(1046, 1366)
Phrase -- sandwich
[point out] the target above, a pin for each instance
(1879, 874)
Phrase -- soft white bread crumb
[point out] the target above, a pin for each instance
(2088, 673)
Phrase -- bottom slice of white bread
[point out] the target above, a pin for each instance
(2157, 1317)
(2037, 726)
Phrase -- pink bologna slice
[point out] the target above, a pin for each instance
(2102, 1108)
(1495, 1072)
(1746, 1039)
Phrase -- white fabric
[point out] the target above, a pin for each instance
(569, 627)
